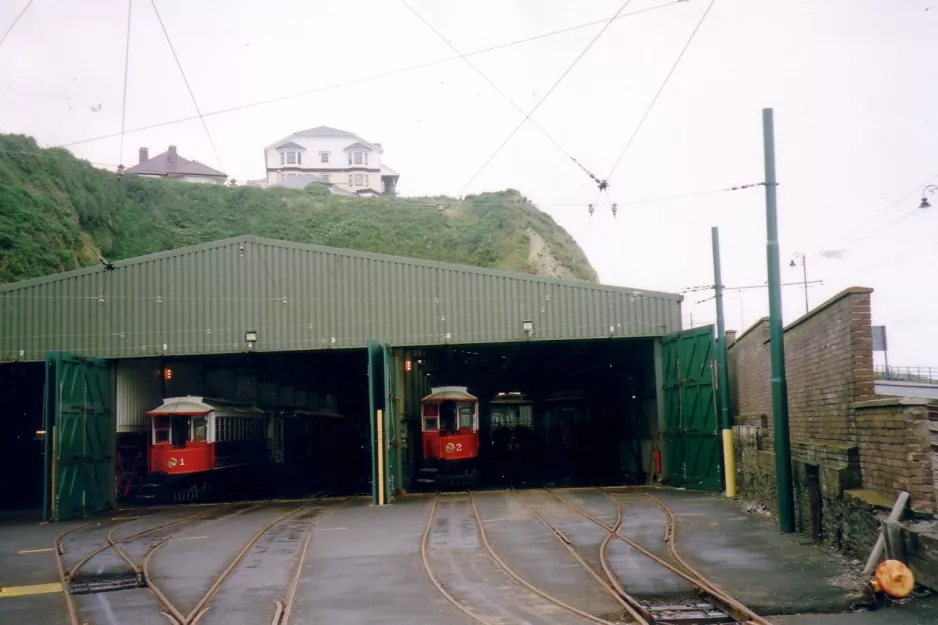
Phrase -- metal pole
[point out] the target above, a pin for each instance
(804, 267)
(729, 462)
(783, 479)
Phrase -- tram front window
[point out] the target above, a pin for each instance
(181, 431)
(448, 416)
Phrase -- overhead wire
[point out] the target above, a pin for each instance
(544, 98)
(15, 22)
(188, 86)
(120, 156)
(369, 78)
(658, 93)
(498, 90)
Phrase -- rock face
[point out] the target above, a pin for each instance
(59, 213)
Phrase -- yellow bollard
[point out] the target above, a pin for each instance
(729, 463)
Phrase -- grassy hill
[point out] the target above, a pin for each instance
(59, 213)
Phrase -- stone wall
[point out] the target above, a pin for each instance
(850, 454)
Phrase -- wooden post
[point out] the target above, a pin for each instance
(878, 548)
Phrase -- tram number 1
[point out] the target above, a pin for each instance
(182, 462)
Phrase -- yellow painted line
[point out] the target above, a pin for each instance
(35, 550)
(124, 518)
(34, 589)
(191, 537)
(329, 529)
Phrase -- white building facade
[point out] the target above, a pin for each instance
(338, 158)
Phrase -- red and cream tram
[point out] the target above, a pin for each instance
(192, 438)
(449, 436)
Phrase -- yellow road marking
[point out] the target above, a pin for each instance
(34, 589)
(35, 550)
(327, 529)
(191, 537)
(124, 518)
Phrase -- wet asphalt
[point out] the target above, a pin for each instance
(363, 564)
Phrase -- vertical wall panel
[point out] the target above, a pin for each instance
(176, 297)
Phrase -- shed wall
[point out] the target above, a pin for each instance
(203, 299)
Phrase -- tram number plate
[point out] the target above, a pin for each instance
(451, 447)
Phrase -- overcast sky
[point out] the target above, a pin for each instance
(852, 83)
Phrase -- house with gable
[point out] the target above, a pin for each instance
(338, 158)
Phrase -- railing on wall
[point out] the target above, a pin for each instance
(926, 375)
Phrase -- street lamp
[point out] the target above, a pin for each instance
(804, 268)
(930, 190)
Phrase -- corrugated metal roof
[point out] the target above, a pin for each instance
(203, 299)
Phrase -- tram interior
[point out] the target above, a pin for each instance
(561, 413)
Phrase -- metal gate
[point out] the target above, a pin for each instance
(383, 429)
(693, 453)
(79, 444)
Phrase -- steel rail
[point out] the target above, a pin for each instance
(501, 563)
(200, 607)
(282, 615)
(671, 538)
(725, 602)
(69, 601)
(631, 605)
(433, 578)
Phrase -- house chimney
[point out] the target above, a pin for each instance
(172, 154)
(730, 337)
(144, 155)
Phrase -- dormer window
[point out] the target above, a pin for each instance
(291, 153)
(358, 158)
(324, 157)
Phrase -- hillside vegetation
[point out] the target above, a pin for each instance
(59, 213)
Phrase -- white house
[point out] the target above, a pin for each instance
(337, 157)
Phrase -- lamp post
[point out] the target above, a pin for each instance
(930, 190)
(804, 268)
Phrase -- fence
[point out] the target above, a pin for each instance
(928, 375)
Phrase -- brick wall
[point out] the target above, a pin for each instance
(850, 453)
(894, 444)
(828, 362)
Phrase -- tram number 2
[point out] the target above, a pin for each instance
(458, 446)
(453, 447)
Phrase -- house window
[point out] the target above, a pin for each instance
(358, 158)
(366, 158)
(366, 180)
(323, 157)
(358, 180)
(325, 177)
(291, 158)
(350, 182)
(283, 158)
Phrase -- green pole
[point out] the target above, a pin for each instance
(786, 504)
(729, 462)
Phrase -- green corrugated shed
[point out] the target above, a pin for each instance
(203, 299)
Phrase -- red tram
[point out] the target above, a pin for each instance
(199, 444)
(449, 436)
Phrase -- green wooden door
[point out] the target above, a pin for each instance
(380, 385)
(79, 468)
(693, 453)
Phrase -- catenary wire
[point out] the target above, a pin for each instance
(497, 89)
(363, 79)
(188, 87)
(15, 22)
(654, 100)
(544, 97)
(130, 8)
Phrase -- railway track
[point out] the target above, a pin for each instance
(709, 604)
(296, 525)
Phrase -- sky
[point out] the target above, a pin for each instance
(851, 83)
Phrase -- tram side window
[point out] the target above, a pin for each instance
(465, 416)
(160, 429)
(431, 417)
(525, 418)
(199, 429)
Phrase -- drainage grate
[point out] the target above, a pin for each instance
(87, 586)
